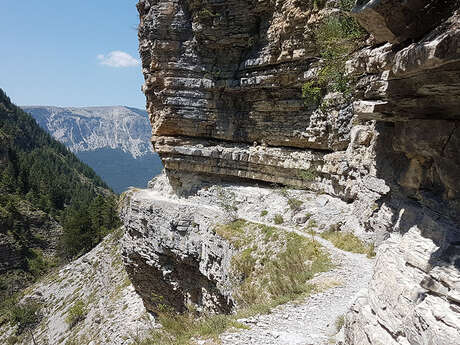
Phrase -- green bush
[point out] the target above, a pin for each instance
(76, 313)
(278, 219)
(37, 263)
(337, 37)
(307, 175)
(311, 93)
(263, 213)
(25, 316)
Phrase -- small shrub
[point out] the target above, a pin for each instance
(278, 219)
(339, 322)
(311, 93)
(337, 36)
(270, 232)
(371, 251)
(76, 313)
(37, 263)
(295, 204)
(307, 175)
(263, 213)
(205, 14)
(25, 316)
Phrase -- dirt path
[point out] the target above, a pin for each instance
(311, 322)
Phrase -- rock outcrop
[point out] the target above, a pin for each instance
(223, 85)
(413, 297)
(173, 255)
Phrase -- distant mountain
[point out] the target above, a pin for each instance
(114, 141)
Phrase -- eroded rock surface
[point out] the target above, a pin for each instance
(232, 72)
(223, 85)
(171, 253)
(413, 296)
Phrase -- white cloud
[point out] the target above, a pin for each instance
(117, 58)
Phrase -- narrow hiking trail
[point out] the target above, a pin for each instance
(311, 321)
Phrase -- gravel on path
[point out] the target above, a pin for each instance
(311, 321)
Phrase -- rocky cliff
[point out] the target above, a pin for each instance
(411, 86)
(224, 81)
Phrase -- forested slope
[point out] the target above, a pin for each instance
(52, 206)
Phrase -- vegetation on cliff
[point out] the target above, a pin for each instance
(337, 36)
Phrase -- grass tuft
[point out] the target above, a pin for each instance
(348, 241)
(278, 219)
(181, 329)
(233, 232)
(76, 313)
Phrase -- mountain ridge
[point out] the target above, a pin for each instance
(113, 140)
(87, 129)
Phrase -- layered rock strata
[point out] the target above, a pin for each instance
(223, 82)
(172, 254)
(414, 295)
(231, 72)
(223, 87)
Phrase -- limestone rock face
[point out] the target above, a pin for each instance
(172, 255)
(232, 71)
(223, 82)
(223, 85)
(413, 296)
(398, 21)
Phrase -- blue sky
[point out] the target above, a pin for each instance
(70, 53)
